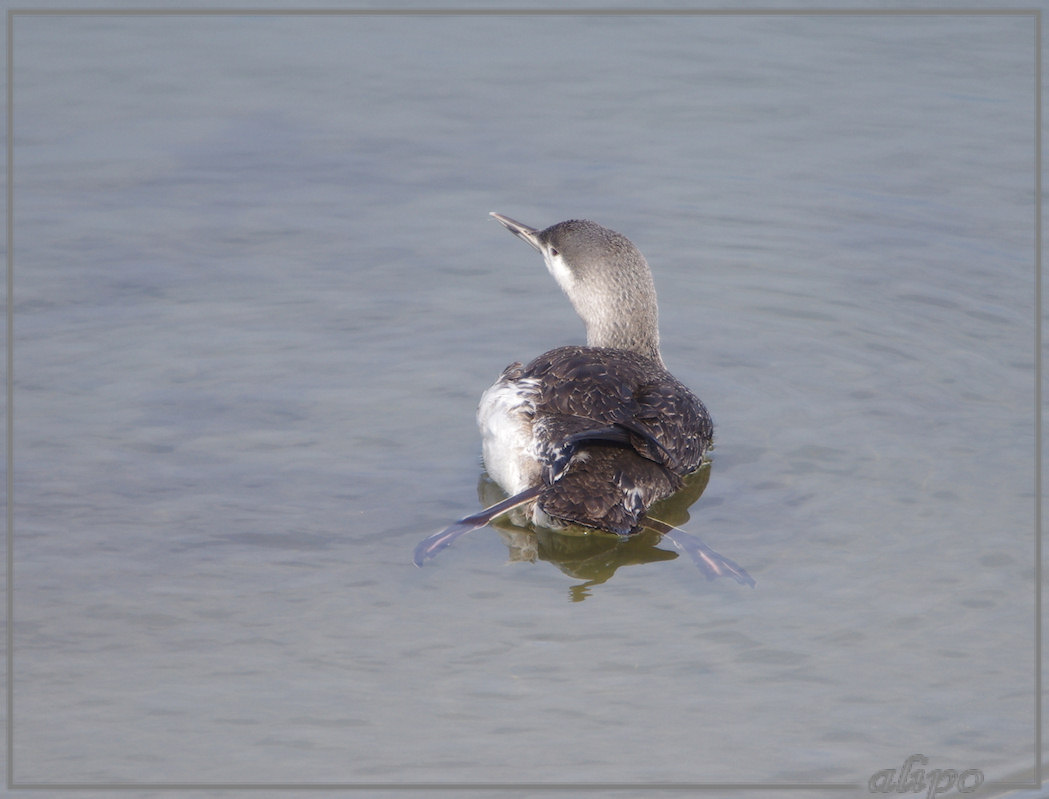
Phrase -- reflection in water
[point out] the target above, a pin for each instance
(589, 555)
(584, 552)
(594, 555)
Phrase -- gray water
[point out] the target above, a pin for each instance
(257, 296)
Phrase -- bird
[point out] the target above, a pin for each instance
(593, 435)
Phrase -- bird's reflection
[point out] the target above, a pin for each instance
(581, 552)
(593, 555)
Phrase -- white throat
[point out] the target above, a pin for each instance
(557, 267)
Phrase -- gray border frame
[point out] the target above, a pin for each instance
(1034, 14)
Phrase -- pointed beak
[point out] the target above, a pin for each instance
(529, 234)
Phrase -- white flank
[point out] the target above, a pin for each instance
(505, 418)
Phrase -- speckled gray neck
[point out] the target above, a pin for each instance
(608, 282)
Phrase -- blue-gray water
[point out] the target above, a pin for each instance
(257, 296)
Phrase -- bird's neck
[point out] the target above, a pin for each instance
(633, 326)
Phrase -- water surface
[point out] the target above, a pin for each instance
(257, 296)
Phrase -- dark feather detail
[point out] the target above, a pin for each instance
(609, 489)
(617, 433)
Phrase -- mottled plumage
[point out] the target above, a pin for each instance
(612, 433)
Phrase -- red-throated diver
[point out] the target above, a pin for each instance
(593, 435)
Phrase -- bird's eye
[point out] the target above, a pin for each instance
(553, 252)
